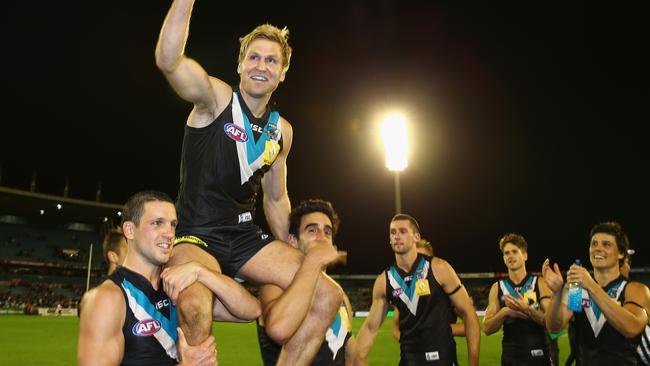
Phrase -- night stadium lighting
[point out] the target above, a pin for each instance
(393, 132)
(58, 206)
(42, 212)
(105, 219)
(119, 213)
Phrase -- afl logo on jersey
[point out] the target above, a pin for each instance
(235, 132)
(146, 327)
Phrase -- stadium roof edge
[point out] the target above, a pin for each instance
(59, 199)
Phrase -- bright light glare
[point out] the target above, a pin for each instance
(393, 132)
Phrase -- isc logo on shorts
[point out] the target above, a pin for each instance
(235, 132)
(537, 352)
(432, 356)
(146, 327)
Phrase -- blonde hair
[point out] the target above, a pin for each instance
(271, 33)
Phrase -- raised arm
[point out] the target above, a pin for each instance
(190, 81)
(448, 279)
(557, 314)
(100, 329)
(285, 310)
(376, 316)
(234, 301)
(274, 183)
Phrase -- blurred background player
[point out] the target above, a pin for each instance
(114, 248)
(517, 304)
(457, 328)
(421, 288)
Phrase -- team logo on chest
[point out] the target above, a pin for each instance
(417, 286)
(146, 327)
(235, 132)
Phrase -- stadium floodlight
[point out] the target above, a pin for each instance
(393, 132)
(119, 213)
(42, 212)
(58, 206)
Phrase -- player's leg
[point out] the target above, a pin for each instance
(195, 303)
(277, 263)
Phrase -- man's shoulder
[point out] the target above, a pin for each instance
(439, 264)
(637, 289)
(106, 293)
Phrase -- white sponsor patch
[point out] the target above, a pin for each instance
(432, 356)
(537, 352)
(245, 217)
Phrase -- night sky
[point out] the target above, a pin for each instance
(525, 118)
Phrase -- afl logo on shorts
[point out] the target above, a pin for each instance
(146, 327)
(235, 132)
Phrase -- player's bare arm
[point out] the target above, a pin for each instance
(205, 354)
(274, 183)
(376, 316)
(352, 357)
(191, 82)
(100, 329)
(495, 315)
(629, 319)
(539, 314)
(239, 304)
(557, 314)
(285, 310)
(448, 279)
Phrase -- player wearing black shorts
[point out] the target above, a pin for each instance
(424, 289)
(234, 144)
(517, 304)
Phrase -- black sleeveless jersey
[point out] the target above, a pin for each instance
(222, 165)
(599, 343)
(331, 352)
(150, 324)
(424, 314)
(643, 350)
(523, 336)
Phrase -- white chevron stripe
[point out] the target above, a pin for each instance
(165, 340)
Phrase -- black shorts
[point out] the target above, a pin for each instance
(526, 357)
(231, 245)
(427, 359)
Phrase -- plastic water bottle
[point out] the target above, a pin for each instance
(574, 302)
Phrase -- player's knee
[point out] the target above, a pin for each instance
(194, 308)
(277, 332)
(332, 294)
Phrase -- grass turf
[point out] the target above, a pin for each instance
(35, 340)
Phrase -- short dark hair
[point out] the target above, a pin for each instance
(134, 207)
(310, 206)
(514, 239)
(614, 229)
(112, 241)
(409, 218)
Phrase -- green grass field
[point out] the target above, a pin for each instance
(34, 340)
